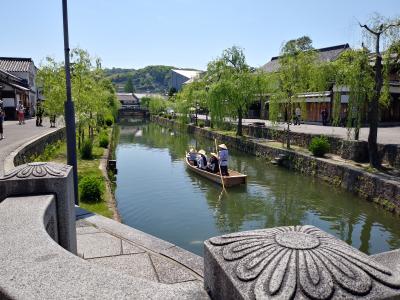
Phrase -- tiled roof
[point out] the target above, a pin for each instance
(324, 55)
(15, 64)
(14, 81)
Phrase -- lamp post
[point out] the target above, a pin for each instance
(69, 107)
(197, 107)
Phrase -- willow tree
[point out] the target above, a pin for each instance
(380, 33)
(296, 75)
(93, 94)
(354, 72)
(51, 79)
(231, 87)
(190, 98)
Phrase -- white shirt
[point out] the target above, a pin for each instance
(200, 162)
(223, 157)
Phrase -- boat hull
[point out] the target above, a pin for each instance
(235, 178)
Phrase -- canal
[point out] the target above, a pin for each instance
(158, 195)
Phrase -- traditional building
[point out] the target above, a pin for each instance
(128, 100)
(12, 90)
(316, 102)
(24, 72)
(180, 77)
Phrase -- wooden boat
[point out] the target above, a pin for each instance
(234, 178)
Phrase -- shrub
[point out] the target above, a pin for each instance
(161, 114)
(103, 140)
(90, 189)
(87, 149)
(319, 146)
(109, 121)
(200, 124)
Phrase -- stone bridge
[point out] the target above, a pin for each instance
(133, 112)
(38, 255)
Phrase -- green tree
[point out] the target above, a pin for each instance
(51, 79)
(128, 88)
(354, 72)
(159, 104)
(92, 92)
(296, 75)
(231, 86)
(379, 31)
(191, 98)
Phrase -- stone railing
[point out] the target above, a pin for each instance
(296, 262)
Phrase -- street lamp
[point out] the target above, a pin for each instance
(197, 108)
(69, 108)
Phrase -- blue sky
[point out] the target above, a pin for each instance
(182, 33)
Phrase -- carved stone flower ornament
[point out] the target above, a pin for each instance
(38, 170)
(302, 262)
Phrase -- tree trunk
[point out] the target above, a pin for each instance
(289, 118)
(288, 135)
(79, 136)
(239, 131)
(373, 111)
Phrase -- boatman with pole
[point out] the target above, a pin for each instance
(223, 156)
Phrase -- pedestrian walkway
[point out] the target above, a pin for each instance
(17, 135)
(131, 252)
(386, 135)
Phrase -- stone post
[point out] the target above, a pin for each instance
(294, 262)
(41, 178)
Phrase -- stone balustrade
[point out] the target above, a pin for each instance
(38, 261)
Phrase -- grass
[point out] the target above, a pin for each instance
(57, 152)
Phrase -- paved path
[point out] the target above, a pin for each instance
(105, 242)
(386, 135)
(17, 135)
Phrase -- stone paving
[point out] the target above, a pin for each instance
(386, 135)
(17, 135)
(131, 252)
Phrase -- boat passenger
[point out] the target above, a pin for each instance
(192, 157)
(202, 160)
(213, 165)
(223, 159)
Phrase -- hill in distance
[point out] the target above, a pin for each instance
(152, 79)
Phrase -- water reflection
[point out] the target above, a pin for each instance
(178, 205)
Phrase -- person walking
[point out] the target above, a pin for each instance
(2, 114)
(20, 112)
(324, 115)
(297, 116)
(52, 121)
(39, 114)
(223, 156)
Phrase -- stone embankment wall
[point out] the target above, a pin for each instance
(347, 149)
(27, 151)
(381, 189)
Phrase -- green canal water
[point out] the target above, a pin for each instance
(158, 195)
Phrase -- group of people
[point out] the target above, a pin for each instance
(297, 116)
(215, 164)
(20, 110)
